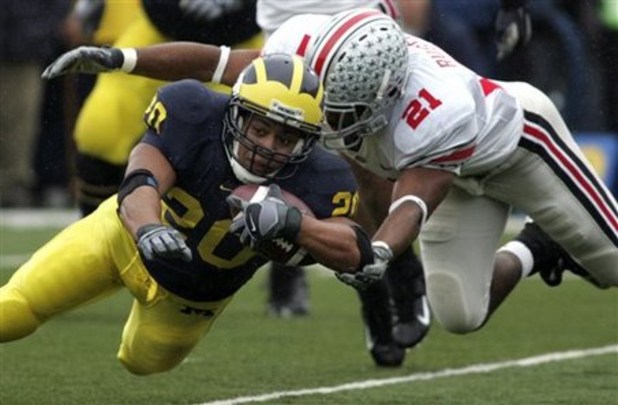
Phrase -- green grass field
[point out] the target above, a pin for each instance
(71, 360)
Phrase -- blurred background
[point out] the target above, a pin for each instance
(50, 131)
(572, 56)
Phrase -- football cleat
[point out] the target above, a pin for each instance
(550, 260)
(409, 333)
(406, 284)
(388, 355)
(377, 313)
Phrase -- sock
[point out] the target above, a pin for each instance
(523, 254)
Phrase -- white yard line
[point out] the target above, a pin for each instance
(37, 218)
(473, 369)
(7, 261)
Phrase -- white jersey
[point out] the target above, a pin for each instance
(448, 118)
(270, 14)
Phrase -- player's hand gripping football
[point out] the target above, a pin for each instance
(513, 30)
(160, 241)
(85, 59)
(371, 273)
(265, 220)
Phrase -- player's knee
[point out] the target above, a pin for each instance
(146, 363)
(603, 268)
(450, 307)
(17, 320)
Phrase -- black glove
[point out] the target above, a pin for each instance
(370, 273)
(208, 10)
(85, 59)
(265, 220)
(156, 240)
(513, 30)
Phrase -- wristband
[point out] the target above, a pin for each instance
(412, 198)
(130, 59)
(382, 250)
(223, 58)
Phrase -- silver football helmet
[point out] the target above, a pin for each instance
(362, 58)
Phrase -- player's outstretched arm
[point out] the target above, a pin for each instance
(170, 61)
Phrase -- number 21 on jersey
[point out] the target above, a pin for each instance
(420, 108)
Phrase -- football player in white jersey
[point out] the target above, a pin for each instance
(462, 150)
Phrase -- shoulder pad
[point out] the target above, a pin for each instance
(189, 101)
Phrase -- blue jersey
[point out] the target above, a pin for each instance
(185, 122)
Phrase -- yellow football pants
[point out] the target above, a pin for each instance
(90, 260)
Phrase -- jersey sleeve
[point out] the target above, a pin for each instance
(326, 184)
(180, 117)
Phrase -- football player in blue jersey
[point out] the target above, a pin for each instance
(167, 235)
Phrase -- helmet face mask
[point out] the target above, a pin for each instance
(362, 57)
(273, 119)
(258, 159)
(349, 123)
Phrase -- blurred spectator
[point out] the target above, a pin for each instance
(27, 32)
(557, 38)
(426, 19)
(608, 60)
(110, 122)
(599, 22)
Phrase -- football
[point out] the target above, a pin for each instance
(278, 250)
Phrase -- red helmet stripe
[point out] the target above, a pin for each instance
(302, 47)
(320, 59)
